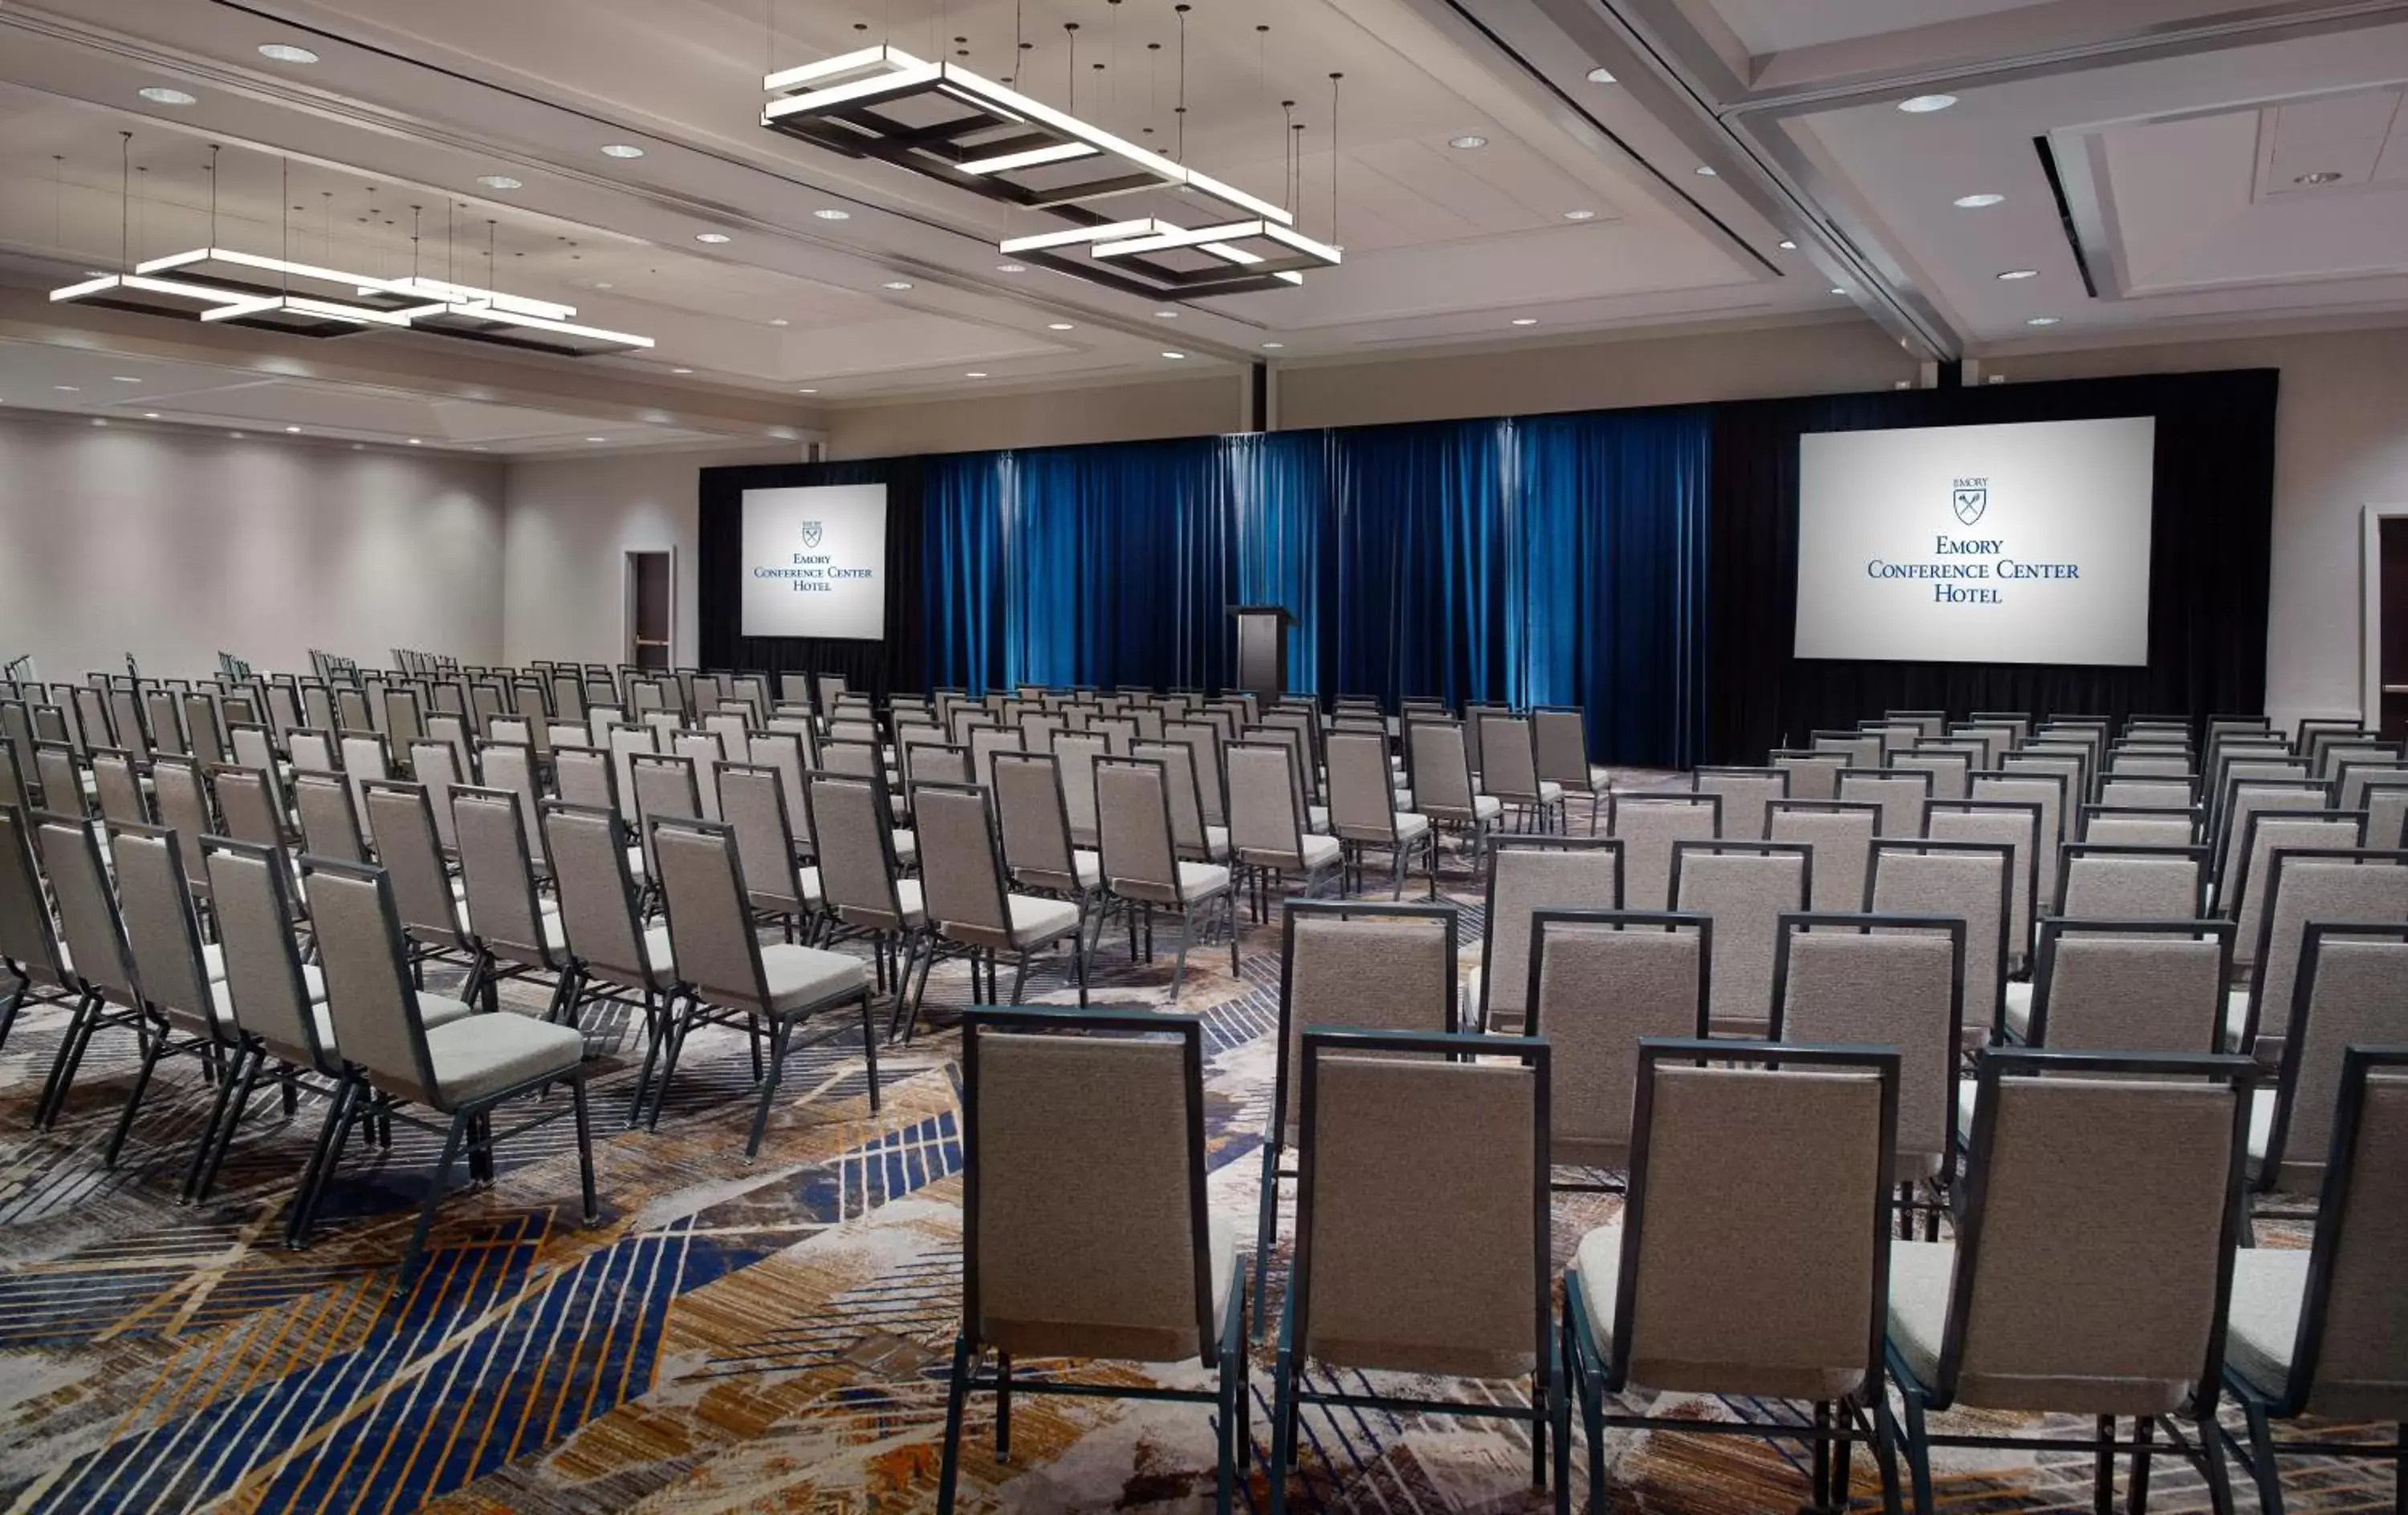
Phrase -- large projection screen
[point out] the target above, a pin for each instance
(2025, 543)
(816, 561)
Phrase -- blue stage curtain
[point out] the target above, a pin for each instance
(1279, 529)
(964, 583)
(1609, 543)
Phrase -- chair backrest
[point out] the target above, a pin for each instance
(512, 766)
(702, 749)
(2150, 793)
(1900, 793)
(401, 823)
(586, 776)
(1265, 812)
(788, 753)
(1746, 796)
(1598, 982)
(753, 801)
(1969, 881)
(711, 926)
(330, 818)
(2100, 881)
(1647, 825)
(498, 873)
(1813, 776)
(1035, 826)
(1074, 756)
(90, 927)
(1747, 888)
(1882, 980)
(1561, 732)
(2244, 798)
(1764, 1176)
(624, 742)
(1509, 757)
(1442, 770)
(369, 1000)
(1525, 875)
(1368, 967)
(1362, 798)
(1842, 837)
(1085, 1230)
(1188, 823)
(2348, 996)
(117, 783)
(961, 867)
(1951, 771)
(588, 844)
(2242, 894)
(2046, 790)
(252, 900)
(664, 789)
(161, 930)
(365, 756)
(2331, 884)
(247, 805)
(314, 751)
(1133, 815)
(2153, 827)
(1862, 748)
(849, 822)
(435, 763)
(2156, 986)
(2020, 826)
(2095, 1231)
(986, 742)
(27, 937)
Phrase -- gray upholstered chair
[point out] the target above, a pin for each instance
(2244, 798)
(1752, 1257)
(2092, 1262)
(401, 823)
(100, 964)
(725, 977)
(1198, 840)
(1441, 770)
(969, 905)
(117, 786)
(1600, 981)
(1561, 733)
(2119, 826)
(1747, 888)
(1363, 814)
(460, 1066)
(518, 767)
(1141, 868)
(753, 800)
(1421, 1230)
(328, 811)
(664, 788)
(860, 874)
(435, 764)
(1842, 837)
(365, 757)
(1525, 875)
(1813, 776)
(1510, 770)
(1087, 1229)
(614, 955)
(1951, 770)
(2346, 992)
(1647, 825)
(1267, 837)
(1036, 825)
(251, 804)
(2139, 985)
(1862, 748)
(514, 933)
(1747, 796)
(2109, 882)
(2022, 828)
(2242, 894)
(1900, 793)
(2172, 792)
(29, 939)
(2320, 1332)
(1969, 881)
(1074, 756)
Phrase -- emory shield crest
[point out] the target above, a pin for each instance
(811, 531)
(1971, 502)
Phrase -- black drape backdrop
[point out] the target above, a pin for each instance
(2210, 544)
(880, 668)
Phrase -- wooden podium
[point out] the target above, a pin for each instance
(1262, 649)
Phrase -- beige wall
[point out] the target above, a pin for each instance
(1119, 413)
(570, 523)
(174, 544)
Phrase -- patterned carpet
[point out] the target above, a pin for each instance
(731, 1336)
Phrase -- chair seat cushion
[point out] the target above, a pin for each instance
(907, 846)
(2019, 1009)
(2268, 1286)
(1316, 818)
(1401, 797)
(478, 1055)
(906, 894)
(1599, 1265)
(1319, 852)
(1410, 827)
(658, 954)
(1216, 842)
(1090, 866)
(804, 977)
(1920, 1276)
(1550, 793)
(1035, 919)
(1487, 807)
(1202, 880)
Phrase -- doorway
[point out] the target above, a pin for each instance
(652, 608)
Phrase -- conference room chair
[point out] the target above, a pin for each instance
(1363, 814)
(1746, 889)
(776, 885)
(1268, 836)
(861, 872)
(2243, 793)
(249, 806)
(1033, 820)
(455, 732)
(1422, 1233)
(126, 727)
(1087, 1231)
(1037, 729)
(1371, 966)
(95, 725)
(615, 955)
(461, 1068)
(1074, 755)
(2104, 881)
(2174, 792)
(117, 786)
(1303, 760)
(30, 951)
(2106, 985)
(2337, 756)
(2070, 767)
(1527, 875)
(586, 776)
(2149, 762)
(2009, 786)
(2315, 1332)
(1510, 771)
(2306, 885)
(788, 753)
(436, 766)
(1927, 723)
(2020, 826)
(1967, 881)
(1895, 735)
(727, 977)
(2348, 996)
(1442, 770)
(180, 802)
(314, 750)
(2383, 798)
(1840, 836)
(329, 817)
(205, 728)
(2091, 1266)
(2354, 776)
(1601, 982)
(514, 932)
(1862, 748)
(971, 907)
(1196, 839)
(985, 743)
(401, 827)
(1561, 733)
(663, 785)
(704, 753)
(1763, 1176)
(1140, 866)
(1813, 776)
(254, 746)
(365, 757)
(2267, 833)
(2314, 734)
(404, 718)
(1892, 979)
(517, 768)
(93, 948)
(1951, 769)
(2115, 825)
(1648, 825)
(1902, 793)
(1746, 793)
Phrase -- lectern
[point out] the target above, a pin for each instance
(1262, 649)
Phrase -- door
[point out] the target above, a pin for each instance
(652, 591)
(2391, 636)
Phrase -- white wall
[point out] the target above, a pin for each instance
(174, 544)
(571, 522)
(1117, 412)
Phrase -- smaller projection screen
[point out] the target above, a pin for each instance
(816, 561)
(2025, 543)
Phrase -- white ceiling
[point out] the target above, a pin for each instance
(2178, 130)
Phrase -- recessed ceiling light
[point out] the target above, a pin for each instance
(1059, 326)
(236, 435)
(1977, 202)
(807, 391)
(499, 181)
(1788, 246)
(68, 389)
(780, 321)
(359, 446)
(1924, 104)
(600, 284)
(714, 238)
(597, 438)
(681, 370)
(414, 441)
(1011, 268)
(97, 421)
(159, 95)
(1175, 354)
(1998, 379)
(1580, 215)
(1525, 320)
(2322, 176)
(285, 53)
(1166, 315)
(1273, 346)
(2013, 274)
(832, 213)
(975, 374)
(898, 283)
(123, 379)
(2040, 321)
(1836, 290)
(622, 149)
(150, 415)
(1466, 142)
(1600, 76)
(1707, 171)
(292, 428)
